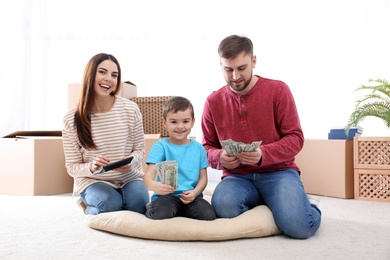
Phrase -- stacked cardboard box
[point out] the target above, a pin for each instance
(33, 163)
(150, 139)
(327, 167)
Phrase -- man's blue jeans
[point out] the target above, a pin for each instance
(281, 191)
(101, 197)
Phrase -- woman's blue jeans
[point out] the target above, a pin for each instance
(281, 191)
(101, 197)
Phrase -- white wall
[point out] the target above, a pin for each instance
(322, 49)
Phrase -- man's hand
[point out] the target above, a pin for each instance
(250, 157)
(229, 162)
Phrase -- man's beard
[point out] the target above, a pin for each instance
(246, 83)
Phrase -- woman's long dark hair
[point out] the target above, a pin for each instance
(82, 117)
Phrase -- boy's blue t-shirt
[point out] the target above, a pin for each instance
(191, 158)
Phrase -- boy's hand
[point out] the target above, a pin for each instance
(187, 196)
(162, 189)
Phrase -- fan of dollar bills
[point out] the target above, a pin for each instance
(232, 148)
(168, 172)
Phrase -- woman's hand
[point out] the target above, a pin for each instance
(98, 161)
(123, 169)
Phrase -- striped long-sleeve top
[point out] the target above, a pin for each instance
(117, 134)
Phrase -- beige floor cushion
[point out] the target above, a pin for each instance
(257, 222)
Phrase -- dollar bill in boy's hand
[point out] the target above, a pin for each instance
(168, 172)
(232, 148)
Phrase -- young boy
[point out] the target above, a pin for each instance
(186, 200)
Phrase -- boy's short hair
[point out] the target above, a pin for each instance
(177, 104)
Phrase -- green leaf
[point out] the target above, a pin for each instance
(376, 104)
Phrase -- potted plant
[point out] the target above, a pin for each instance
(376, 103)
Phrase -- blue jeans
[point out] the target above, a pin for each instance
(100, 197)
(281, 191)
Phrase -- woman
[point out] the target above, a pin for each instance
(104, 128)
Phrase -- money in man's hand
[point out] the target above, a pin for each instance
(232, 148)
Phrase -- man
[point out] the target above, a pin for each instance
(248, 109)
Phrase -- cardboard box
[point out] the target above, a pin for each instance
(33, 163)
(128, 90)
(152, 112)
(327, 167)
(150, 139)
